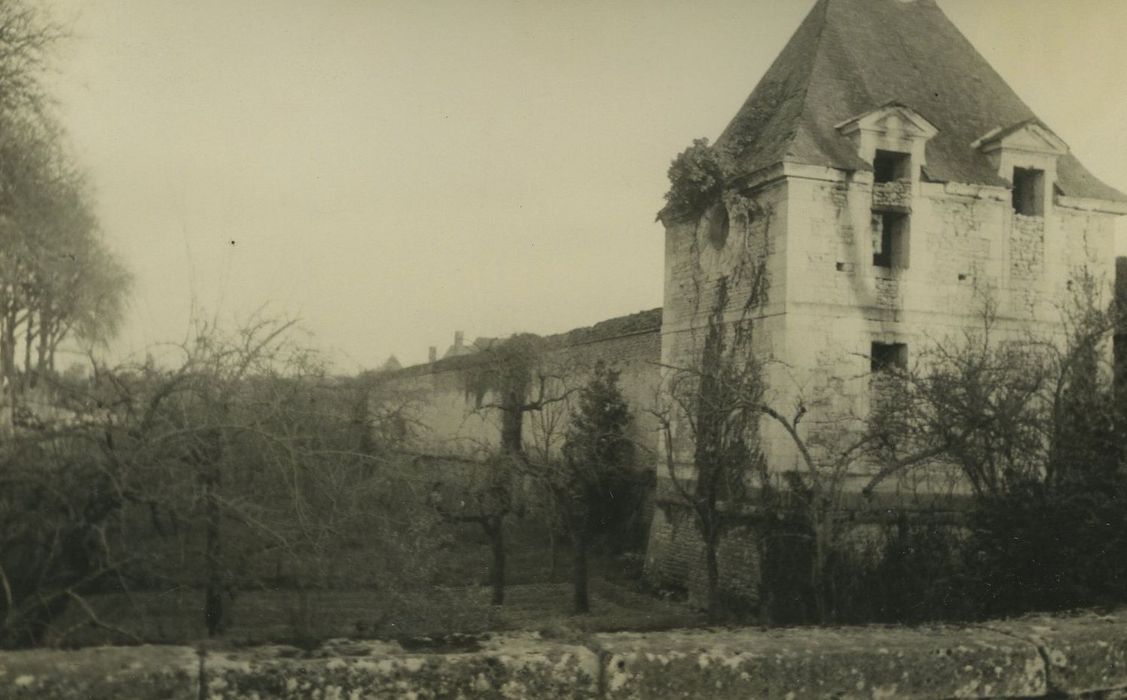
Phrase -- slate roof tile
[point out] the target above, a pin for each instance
(849, 57)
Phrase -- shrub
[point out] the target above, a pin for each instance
(696, 180)
(1043, 549)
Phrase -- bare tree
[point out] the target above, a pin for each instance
(241, 465)
(27, 36)
(717, 406)
(512, 379)
(1008, 408)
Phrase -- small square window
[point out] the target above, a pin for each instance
(889, 166)
(888, 356)
(1029, 192)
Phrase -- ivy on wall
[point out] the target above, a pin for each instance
(697, 177)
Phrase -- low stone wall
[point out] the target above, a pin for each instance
(675, 557)
(1077, 656)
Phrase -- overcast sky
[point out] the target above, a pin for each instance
(392, 171)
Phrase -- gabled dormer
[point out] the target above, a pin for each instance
(1026, 155)
(893, 138)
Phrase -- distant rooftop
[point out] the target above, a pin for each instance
(640, 322)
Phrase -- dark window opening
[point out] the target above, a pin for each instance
(889, 166)
(1029, 192)
(890, 239)
(888, 356)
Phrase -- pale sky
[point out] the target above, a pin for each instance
(393, 171)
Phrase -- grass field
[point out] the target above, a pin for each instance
(289, 617)
(538, 598)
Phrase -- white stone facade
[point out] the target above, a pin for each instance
(828, 301)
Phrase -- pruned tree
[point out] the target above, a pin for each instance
(483, 495)
(240, 466)
(511, 379)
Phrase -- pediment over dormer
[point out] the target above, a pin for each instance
(893, 120)
(1026, 155)
(1029, 136)
(892, 129)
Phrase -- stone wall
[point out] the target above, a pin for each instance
(964, 245)
(1076, 656)
(675, 557)
(449, 423)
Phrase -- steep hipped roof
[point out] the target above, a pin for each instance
(851, 56)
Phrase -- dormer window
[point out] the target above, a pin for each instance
(1026, 154)
(1029, 191)
(890, 166)
(893, 138)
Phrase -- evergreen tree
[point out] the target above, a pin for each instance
(592, 485)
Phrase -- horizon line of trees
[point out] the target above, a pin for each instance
(59, 281)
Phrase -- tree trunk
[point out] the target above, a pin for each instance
(712, 568)
(8, 362)
(766, 585)
(8, 350)
(44, 343)
(512, 423)
(554, 554)
(818, 581)
(579, 574)
(213, 587)
(497, 570)
(28, 341)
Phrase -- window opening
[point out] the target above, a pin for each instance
(1029, 192)
(890, 239)
(718, 226)
(889, 166)
(888, 356)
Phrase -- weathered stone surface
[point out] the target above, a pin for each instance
(101, 673)
(1085, 653)
(866, 662)
(512, 666)
(1079, 656)
(897, 194)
